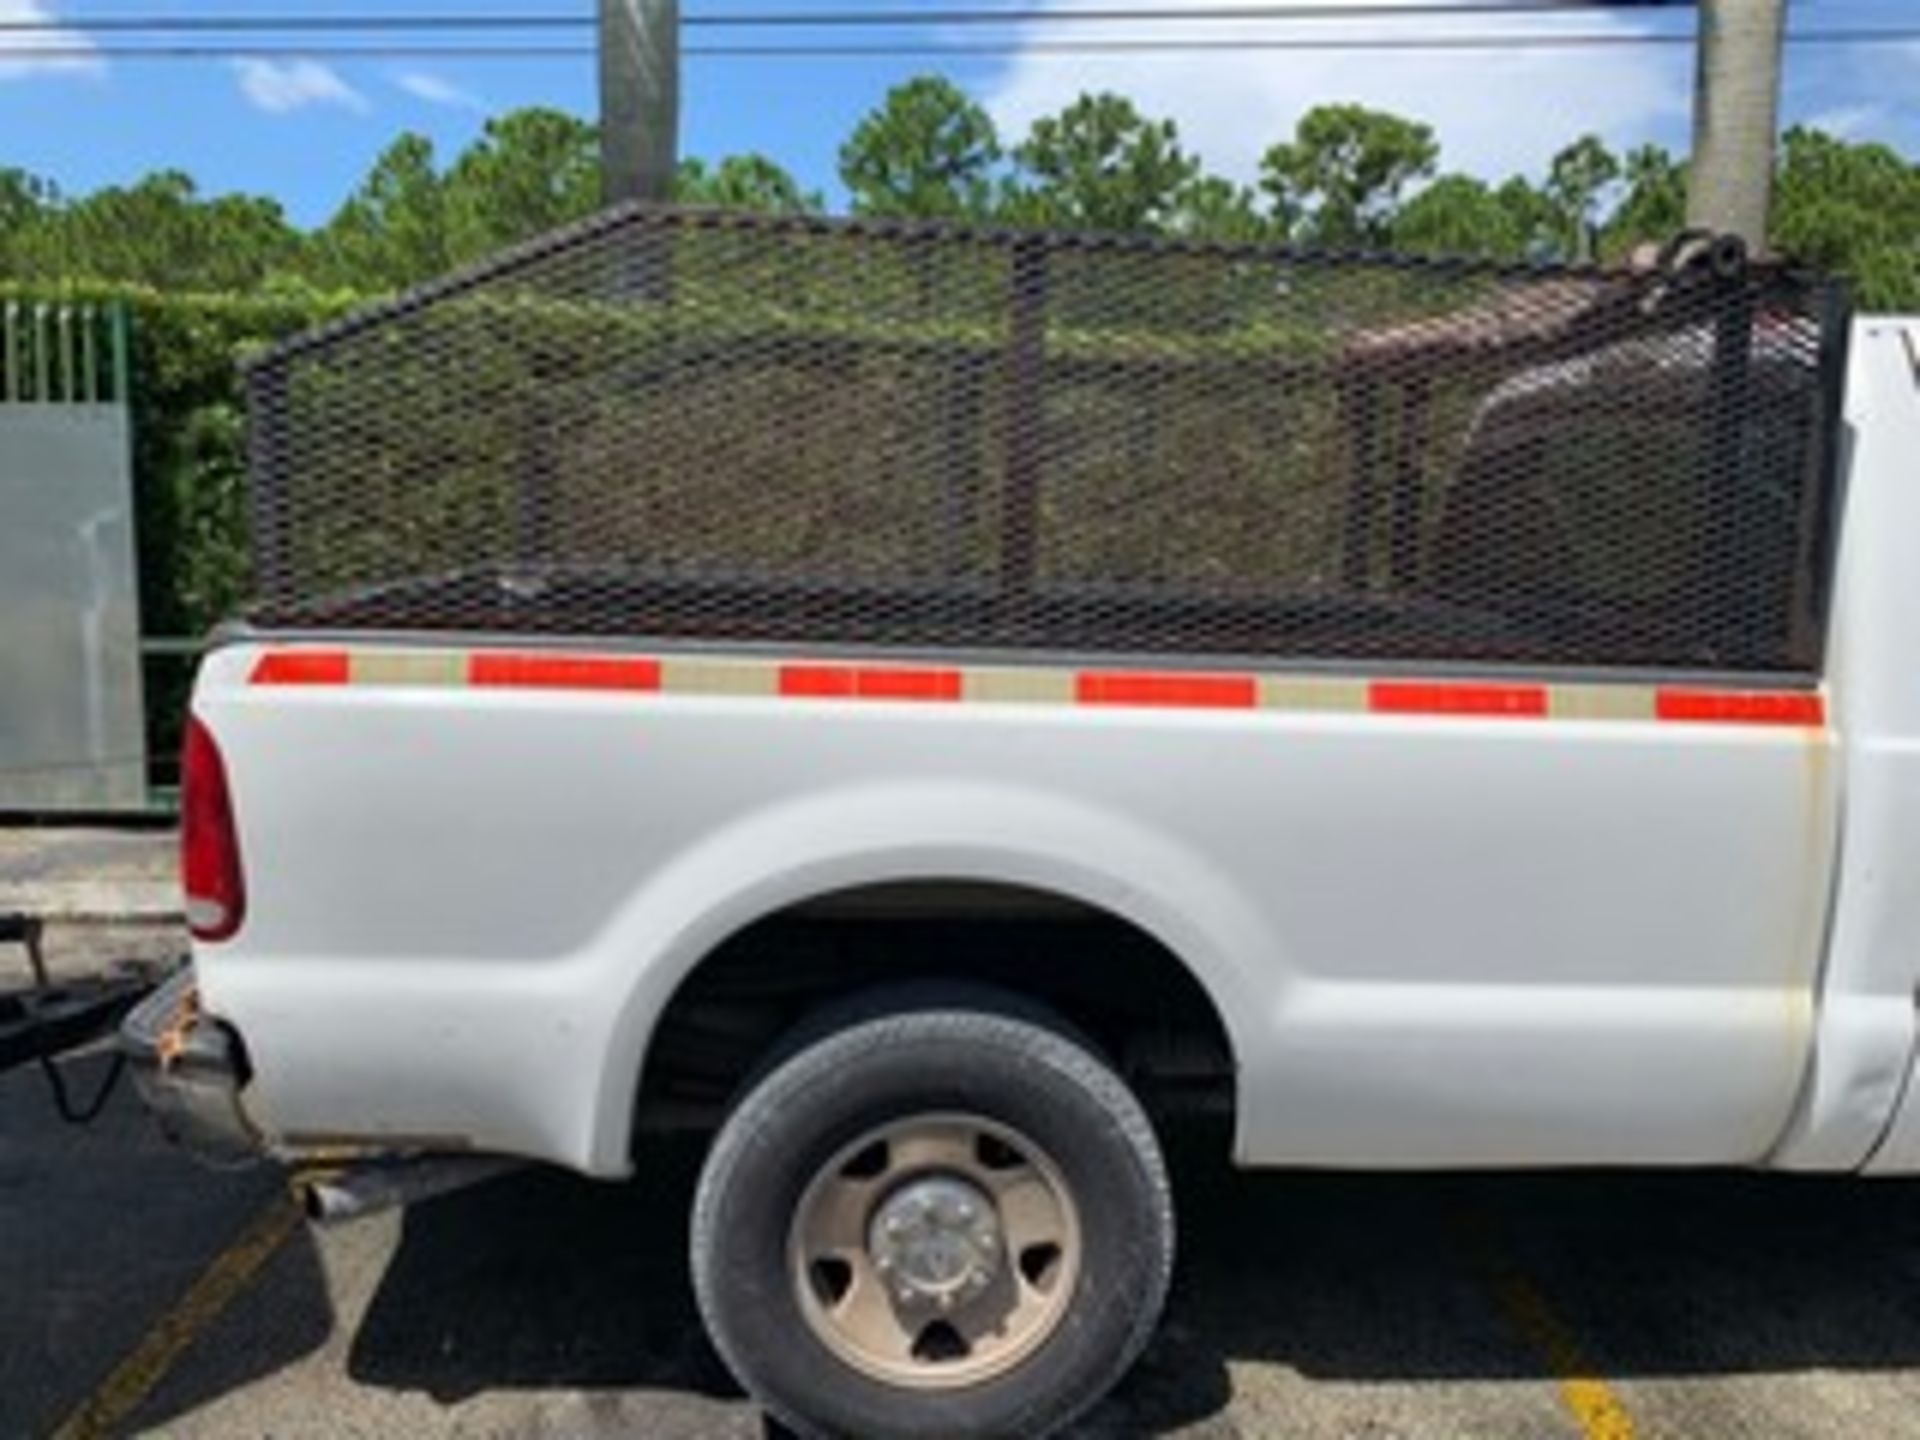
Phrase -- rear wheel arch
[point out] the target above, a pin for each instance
(1106, 974)
(777, 859)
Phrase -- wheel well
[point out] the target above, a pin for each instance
(1120, 986)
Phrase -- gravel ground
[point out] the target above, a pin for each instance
(141, 1294)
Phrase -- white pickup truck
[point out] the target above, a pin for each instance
(1434, 716)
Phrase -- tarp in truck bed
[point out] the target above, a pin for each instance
(708, 426)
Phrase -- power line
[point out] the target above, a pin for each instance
(1046, 15)
(830, 19)
(129, 24)
(1360, 10)
(1896, 35)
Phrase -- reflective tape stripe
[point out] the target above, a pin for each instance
(1003, 685)
(1312, 692)
(403, 667)
(301, 667)
(720, 676)
(1427, 697)
(1600, 702)
(1166, 688)
(526, 670)
(721, 679)
(868, 682)
(1742, 707)
(1403, 697)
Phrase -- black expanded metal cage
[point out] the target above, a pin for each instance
(713, 426)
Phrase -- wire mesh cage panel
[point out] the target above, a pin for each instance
(721, 427)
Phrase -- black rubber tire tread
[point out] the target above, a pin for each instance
(900, 1051)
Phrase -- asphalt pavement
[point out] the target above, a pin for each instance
(140, 1293)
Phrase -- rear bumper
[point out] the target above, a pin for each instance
(190, 1069)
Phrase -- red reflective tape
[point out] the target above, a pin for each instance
(863, 682)
(1204, 692)
(562, 672)
(1742, 707)
(890, 684)
(1402, 697)
(819, 681)
(301, 667)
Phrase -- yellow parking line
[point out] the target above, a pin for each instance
(105, 1411)
(1596, 1409)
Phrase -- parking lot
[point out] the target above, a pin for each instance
(141, 1293)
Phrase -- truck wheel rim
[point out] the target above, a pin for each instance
(935, 1251)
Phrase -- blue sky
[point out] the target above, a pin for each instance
(305, 130)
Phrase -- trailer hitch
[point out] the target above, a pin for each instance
(45, 1021)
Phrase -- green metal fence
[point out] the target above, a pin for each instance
(63, 353)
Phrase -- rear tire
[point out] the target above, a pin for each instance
(938, 1216)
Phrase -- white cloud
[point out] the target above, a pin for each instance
(437, 90)
(278, 87)
(73, 50)
(1495, 112)
(1847, 122)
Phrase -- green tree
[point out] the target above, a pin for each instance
(743, 182)
(1853, 209)
(1576, 181)
(530, 171)
(1459, 215)
(393, 230)
(1653, 207)
(1534, 217)
(1348, 176)
(1338, 182)
(1210, 208)
(157, 231)
(1099, 165)
(24, 199)
(928, 151)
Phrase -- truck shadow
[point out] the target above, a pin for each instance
(539, 1280)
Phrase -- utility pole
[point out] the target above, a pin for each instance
(1736, 107)
(639, 99)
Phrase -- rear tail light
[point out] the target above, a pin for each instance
(209, 845)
